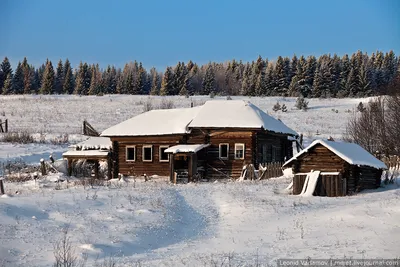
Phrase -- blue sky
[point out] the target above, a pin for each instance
(162, 32)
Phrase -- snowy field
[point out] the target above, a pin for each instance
(159, 224)
(58, 115)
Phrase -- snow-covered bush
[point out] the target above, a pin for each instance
(20, 138)
(276, 107)
(284, 108)
(167, 104)
(148, 105)
(301, 103)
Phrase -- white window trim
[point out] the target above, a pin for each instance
(219, 150)
(126, 154)
(147, 146)
(244, 150)
(159, 154)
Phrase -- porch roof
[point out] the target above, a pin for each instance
(186, 148)
(86, 154)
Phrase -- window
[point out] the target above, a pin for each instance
(239, 151)
(130, 153)
(164, 157)
(223, 151)
(147, 153)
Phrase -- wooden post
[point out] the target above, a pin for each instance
(109, 164)
(171, 168)
(175, 177)
(69, 167)
(6, 126)
(1, 186)
(1, 127)
(43, 167)
(96, 169)
(190, 170)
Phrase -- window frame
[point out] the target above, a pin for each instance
(126, 154)
(227, 151)
(236, 149)
(143, 154)
(159, 154)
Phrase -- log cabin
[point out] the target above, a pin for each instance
(211, 141)
(346, 168)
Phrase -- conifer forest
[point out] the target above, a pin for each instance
(356, 75)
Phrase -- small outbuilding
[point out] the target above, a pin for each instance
(342, 169)
(94, 149)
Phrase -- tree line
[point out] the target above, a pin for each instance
(357, 75)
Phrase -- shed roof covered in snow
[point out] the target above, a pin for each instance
(237, 114)
(88, 154)
(349, 152)
(93, 143)
(213, 114)
(155, 122)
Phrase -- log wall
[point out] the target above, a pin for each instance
(138, 167)
(327, 185)
(223, 168)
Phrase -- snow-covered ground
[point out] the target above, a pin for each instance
(205, 224)
(158, 224)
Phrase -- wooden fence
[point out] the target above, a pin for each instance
(89, 130)
(270, 170)
(391, 161)
(4, 126)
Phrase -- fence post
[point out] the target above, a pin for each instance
(1, 186)
(6, 126)
(42, 167)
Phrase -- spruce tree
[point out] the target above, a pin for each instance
(18, 80)
(28, 73)
(7, 86)
(167, 82)
(208, 84)
(141, 81)
(5, 69)
(80, 80)
(48, 79)
(59, 83)
(94, 88)
(155, 82)
(310, 67)
(68, 79)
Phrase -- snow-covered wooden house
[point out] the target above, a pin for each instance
(343, 169)
(214, 140)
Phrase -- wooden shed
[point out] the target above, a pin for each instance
(94, 149)
(345, 168)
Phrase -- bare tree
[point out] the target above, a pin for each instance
(64, 253)
(377, 128)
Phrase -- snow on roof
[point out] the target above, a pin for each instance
(85, 153)
(350, 152)
(213, 114)
(155, 122)
(186, 148)
(94, 143)
(237, 114)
